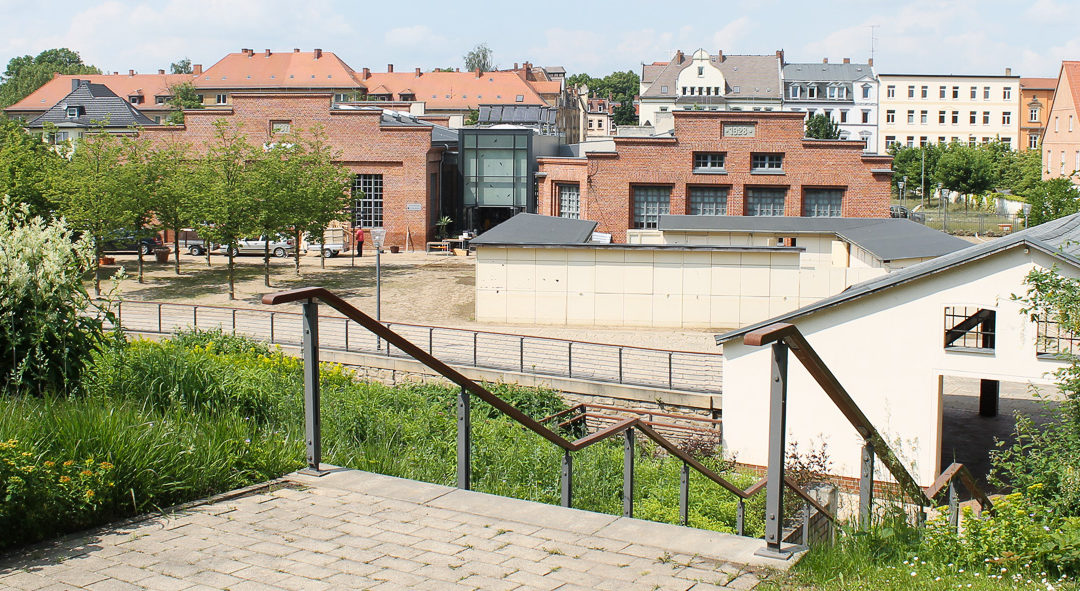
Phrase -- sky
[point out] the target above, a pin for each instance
(934, 37)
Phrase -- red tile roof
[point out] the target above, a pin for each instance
(1072, 70)
(1044, 83)
(457, 90)
(267, 69)
(124, 85)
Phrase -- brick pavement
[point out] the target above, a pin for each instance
(357, 530)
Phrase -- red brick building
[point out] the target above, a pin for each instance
(716, 163)
(395, 159)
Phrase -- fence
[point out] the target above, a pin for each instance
(632, 366)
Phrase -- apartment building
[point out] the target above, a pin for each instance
(1036, 100)
(272, 71)
(1061, 140)
(923, 109)
(600, 114)
(845, 92)
(148, 93)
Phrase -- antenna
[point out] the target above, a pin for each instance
(872, 38)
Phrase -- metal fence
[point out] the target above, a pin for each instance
(633, 366)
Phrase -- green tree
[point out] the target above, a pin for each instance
(480, 58)
(25, 74)
(181, 66)
(184, 96)
(909, 162)
(274, 185)
(322, 197)
(965, 169)
(1052, 199)
(1018, 171)
(473, 118)
(822, 127)
(621, 87)
(173, 193)
(134, 184)
(26, 164)
(224, 204)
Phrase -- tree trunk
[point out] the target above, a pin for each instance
(232, 282)
(176, 247)
(322, 255)
(296, 252)
(138, 249)
(97, 268)
(266, 261)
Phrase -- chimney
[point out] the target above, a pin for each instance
(1008, 71)
(196, 69)
(390, 68)
(417, 72)
(248, 52)
(780, 56)
(825, 60)
(478, 72)
(116, 73)
(527, 66)
(131, 72)
(161, 71)
(515, 65)
(870, 62)
(720, 55)
(75, 83)
(367, 73)
(457, 69)
(318, 53)
(296, 50)
(267, 53)
(847, 60)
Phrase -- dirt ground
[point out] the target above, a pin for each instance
(417, 288)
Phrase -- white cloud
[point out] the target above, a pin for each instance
(412, 36)
(730, 36)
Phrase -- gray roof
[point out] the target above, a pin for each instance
(555, 69)
(391, 118)
(97, 106)
(531, 228)
(827, 72)
(755, 76)
(517, 114)
(1059, 238)
(888, 239)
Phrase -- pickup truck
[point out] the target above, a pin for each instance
(280, 247)
(333, 243)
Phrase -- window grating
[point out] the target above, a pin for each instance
(569, 201)
(1051, 338)
(823, 203)
(765, 202)
(708, 200)
(968, 327)
(649, 204)
(367, 192)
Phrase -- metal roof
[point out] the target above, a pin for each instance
(97, 106)
(827, 72)
(519, 114)
(391, 118)
(1059, 238)
(888, 239)
(534, 229)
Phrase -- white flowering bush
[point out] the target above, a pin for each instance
(49, 327)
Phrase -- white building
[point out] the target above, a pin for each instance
(923, 109)
(893, 341)
(846, 92)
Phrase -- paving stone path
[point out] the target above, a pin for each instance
(357, 530)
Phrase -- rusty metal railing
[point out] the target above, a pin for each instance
(627, 427)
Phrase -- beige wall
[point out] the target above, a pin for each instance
(1061, 142)
(702, 287)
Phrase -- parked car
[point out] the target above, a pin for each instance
(333, 243)
(190, 241)
(127, 241)
(899, 211)
(280, 247)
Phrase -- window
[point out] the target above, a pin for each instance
(1070, 122)
(911, 117)
(974, 92)
(1055, 124)
(941, 92)
(663, 90)
(986, 117)
(569, 201)
(974, 117)
(700, 71)
(986, 92)
(832, 92)
(923, 141)
(955, 117)
(811, 92)
(866, 91)
(911, 141)
(1007, 142)
(941, 139)
(843, 115)
(890, 140)
(794, 92)
(590, 123)
(280, 126)
(1053, 339)
(923, 92)
(1033, 141)
(367, 194)
(708, 161)
(1006, 93)
(1006, 118)
(765, 202)
(72, 112)
(707, 200)
(135, 99)
(766, 162)
(822, 203)
(202, 98)
(866, 116)
(519, 98)
(911, 92)
(649, 204)
(941, 117)
(684, 90)
(890, 116)
(1033, 114)
(922, 117)
(968, 327)
(221, 99)
(1062, 171)
(890, 91)
(956, 92)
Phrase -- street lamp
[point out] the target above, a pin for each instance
(378, 235)
(900, 185)
(944, 205)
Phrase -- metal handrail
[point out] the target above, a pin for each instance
(784, 337)
(308, 297)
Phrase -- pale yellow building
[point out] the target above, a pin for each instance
(923, 109)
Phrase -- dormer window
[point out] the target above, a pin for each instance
(72, 112)
(135, 99)
(811, 92)
(519, 98)
(794, 92)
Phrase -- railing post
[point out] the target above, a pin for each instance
(620, 365)
(271, 328)
(774, 492)
(866, 485)
(566, 480)
(195, 317)
(234, 321)
(628, 474)
(312, 421)
(430, 340)
(954, 508)
(120, 314)
(670, 371)
(464, 440)
(740, 516)
(806, 524)
(159, 318)
(521, 355)
(684, 494)
(475, 339)
(346, 334)
(570, 360)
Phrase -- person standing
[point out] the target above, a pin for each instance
(359, 242)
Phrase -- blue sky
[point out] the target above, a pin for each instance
(595, 37)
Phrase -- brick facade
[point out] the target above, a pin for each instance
(402, 154)
(606, 180)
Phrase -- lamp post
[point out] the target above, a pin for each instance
(377, 236)
(900, 185)
(944, 206)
